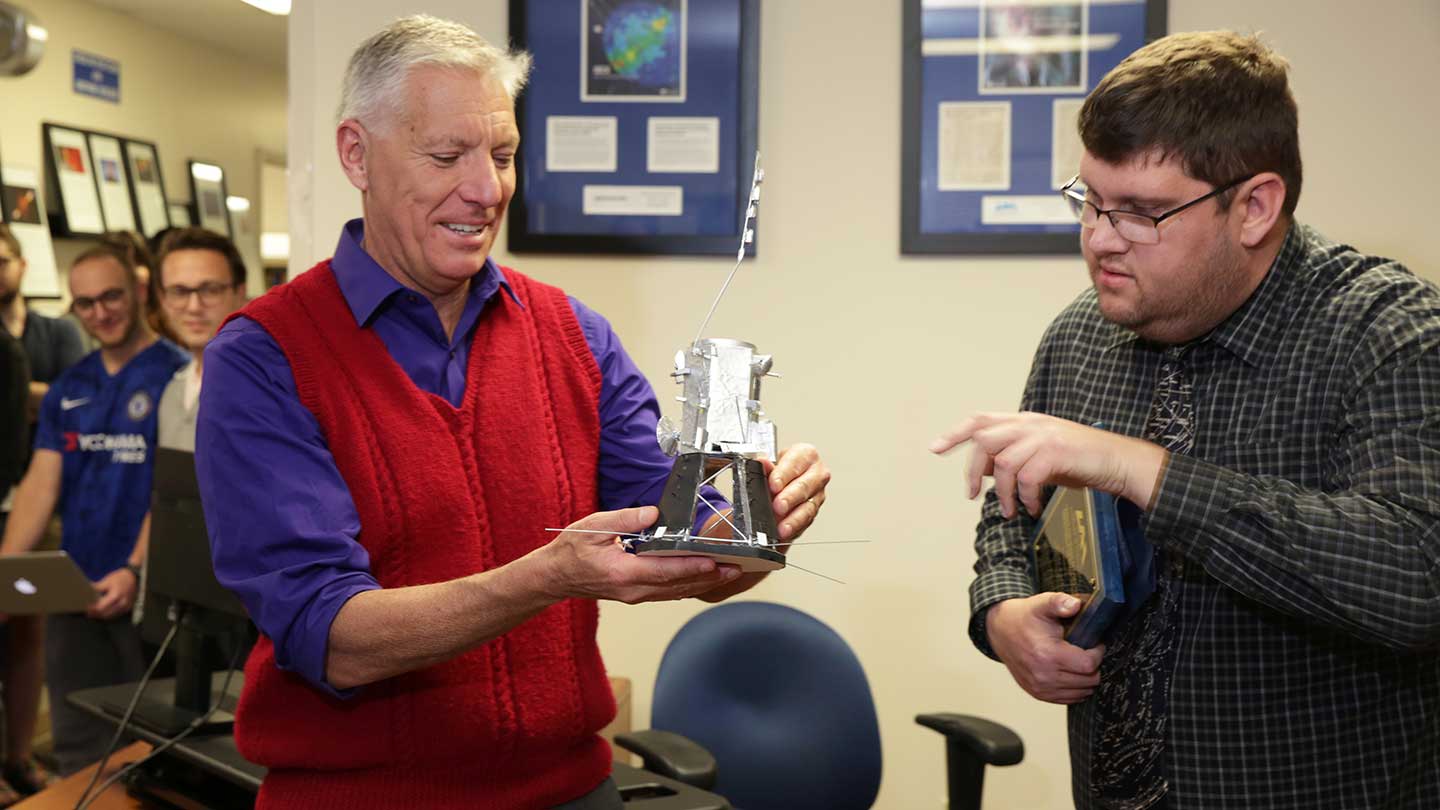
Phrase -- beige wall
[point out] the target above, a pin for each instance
(879, 352)
(192, 100)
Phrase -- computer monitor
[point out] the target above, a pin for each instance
(181, 577)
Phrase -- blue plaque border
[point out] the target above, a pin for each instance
(723, 69)
(935, 221)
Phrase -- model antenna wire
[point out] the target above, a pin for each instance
(747, 236)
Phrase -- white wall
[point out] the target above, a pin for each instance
(191, 100)
(880, 352)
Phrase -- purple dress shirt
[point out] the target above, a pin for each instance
(281, 520)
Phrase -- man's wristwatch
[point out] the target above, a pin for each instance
(134, 569)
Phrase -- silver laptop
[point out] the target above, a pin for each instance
(43, 582)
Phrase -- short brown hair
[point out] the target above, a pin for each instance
(112, 250)
(9, 239)
(130, 243)
(1218, 101)
(202, 239)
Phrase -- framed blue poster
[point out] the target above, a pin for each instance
(992, 92)
(638, 127)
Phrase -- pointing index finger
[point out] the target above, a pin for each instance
(953, 437)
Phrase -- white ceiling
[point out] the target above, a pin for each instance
(228, 24)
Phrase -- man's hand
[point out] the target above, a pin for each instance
(117, 591)
(1026, 452)
(1028, 636)
(588, 565)
(797, 480)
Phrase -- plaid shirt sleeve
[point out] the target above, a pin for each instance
(1360, 553)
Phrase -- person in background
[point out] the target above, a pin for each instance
(200, 280)
(14, 425)
(50, 346)
(92, 463)
(14, 448)
(143, 257)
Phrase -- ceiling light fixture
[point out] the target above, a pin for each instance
(277, 7)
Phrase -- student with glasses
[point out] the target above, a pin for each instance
(1271, 399)
(92, 464)
(201, 278)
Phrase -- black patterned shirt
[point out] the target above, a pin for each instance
(1308, 516)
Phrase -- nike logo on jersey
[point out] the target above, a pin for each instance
(67, 404)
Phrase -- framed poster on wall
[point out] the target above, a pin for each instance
(180, 215)
(639, 125)
(72, 194)
(991, 94)
(207, 195)
(147, 185)
(112, 182)
(24, 213)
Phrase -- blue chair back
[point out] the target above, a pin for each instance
(782, 703)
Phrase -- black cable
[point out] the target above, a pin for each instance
(84, 800)
(167, 744)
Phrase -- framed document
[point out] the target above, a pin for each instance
(638, 126)
(147, 186)
(207, 194)
(22, 211)
(72, 192)
(180, 215)
(992, 91)
(112, 181)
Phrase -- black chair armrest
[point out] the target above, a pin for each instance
(671, 755)
(993, 743)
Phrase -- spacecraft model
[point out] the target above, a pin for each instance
(722, 429)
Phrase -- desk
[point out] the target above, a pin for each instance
(216, 755)
(64, 794)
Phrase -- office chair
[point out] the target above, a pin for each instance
(769, 707)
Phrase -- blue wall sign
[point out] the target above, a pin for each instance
(96, 76)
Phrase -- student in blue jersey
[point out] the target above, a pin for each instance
(93, 462)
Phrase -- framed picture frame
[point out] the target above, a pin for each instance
(180, 214)
(207, 195)
(112, 182)
(991, 94)
(74, 197)
(22, 210)
(639, 126)
(147, 186)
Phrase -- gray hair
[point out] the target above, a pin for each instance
(375, 78)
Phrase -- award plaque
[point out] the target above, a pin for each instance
(1089, 545)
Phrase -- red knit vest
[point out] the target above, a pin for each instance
(443, 492)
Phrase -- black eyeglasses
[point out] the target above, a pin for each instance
(177, 295)
(109, 299)
(1132, 226)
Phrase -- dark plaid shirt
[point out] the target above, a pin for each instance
(1308, 514)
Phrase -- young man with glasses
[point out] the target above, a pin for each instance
(1271, 400)
(93, 463)
(201, 281)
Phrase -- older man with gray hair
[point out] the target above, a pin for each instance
(381, 445)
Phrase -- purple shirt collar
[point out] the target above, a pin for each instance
(367, 286)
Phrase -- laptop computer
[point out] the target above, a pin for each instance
(43, 582)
